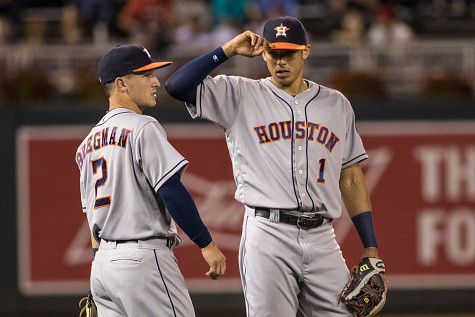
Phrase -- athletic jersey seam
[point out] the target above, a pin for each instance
(200, 110)
(165, 284)
(353, 159)
(139, 130)
(243, 262)
(291, 147)
(171, 170)
(99, 124)
(239, 105)
(306, 149)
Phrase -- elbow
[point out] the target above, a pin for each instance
(169, 87)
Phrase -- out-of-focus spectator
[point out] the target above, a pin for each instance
(228, 17)
(5, 23)
(71, 31)
(222, 33)
(274, 8)
(10, 24)
(446, 8)
(232, 12)
(147, 22)
(193, 33)
(342, 5)
(95, 17)
(388, 30)
(254, 19)
(352, 31)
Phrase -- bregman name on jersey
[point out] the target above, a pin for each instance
(101, 139)
(283, 130)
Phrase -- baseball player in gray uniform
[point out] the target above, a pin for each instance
(130, 190)
(295, 153)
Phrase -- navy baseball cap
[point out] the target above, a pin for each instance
(285, 33)
(126, 59)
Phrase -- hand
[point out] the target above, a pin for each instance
(372, 252)
(216, 261)
(246, 44)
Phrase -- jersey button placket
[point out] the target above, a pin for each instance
(300, 157)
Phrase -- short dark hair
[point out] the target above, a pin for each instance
(108, 88)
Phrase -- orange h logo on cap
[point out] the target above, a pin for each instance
(281, 30)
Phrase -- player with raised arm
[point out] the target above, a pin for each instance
(295, 153)
(130, 190)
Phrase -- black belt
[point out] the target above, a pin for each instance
(170, 240)
(302, 221)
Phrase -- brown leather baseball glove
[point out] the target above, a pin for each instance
(365, 292)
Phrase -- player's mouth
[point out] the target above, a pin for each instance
(282, 73)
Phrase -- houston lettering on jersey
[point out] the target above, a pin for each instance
(101, 139)
(284, 129)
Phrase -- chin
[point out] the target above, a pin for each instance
(284, 81)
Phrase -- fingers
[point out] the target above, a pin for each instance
(216, 261)
(253, 37)
(257, 43)
(217, 270)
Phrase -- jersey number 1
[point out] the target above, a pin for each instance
(101, 201)
(321, 178)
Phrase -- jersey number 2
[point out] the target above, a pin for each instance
(101, 201)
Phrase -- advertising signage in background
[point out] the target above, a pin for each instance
(421, 177)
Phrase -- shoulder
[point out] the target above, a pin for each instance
(148, 123)
(334, 95)
(234, 80)
(84, 141)
(332, 92)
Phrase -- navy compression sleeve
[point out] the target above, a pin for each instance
(182, 84)
(183, 210)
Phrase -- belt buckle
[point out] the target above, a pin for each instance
(305, 222)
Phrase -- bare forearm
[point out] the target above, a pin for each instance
(354, 191)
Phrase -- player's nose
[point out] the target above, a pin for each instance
(156, 82)
(281, 61)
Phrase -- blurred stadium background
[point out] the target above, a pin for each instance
(404, 65)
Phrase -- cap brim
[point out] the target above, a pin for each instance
(287, 46)
(152, 66)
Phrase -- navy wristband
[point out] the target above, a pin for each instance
(364, 225)
(94, 250)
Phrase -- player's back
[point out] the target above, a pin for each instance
(116, 193)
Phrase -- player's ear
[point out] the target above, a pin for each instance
(264, 55)
(120, 84)
(306, 51)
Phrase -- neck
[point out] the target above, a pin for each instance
(116, 101)
(293, 89)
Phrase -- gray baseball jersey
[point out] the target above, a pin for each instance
(123, 162)
(287, 152)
